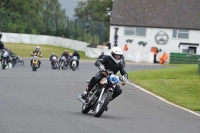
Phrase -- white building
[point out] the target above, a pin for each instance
(165, 24)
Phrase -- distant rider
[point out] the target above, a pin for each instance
(37, 53)
(75, 55)
(50, 58)
(65, 54)
(101, 56)
(12, 57)
(52, 55)
(70, 56)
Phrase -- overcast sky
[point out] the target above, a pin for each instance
(69, 6)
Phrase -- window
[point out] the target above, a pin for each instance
(181, 34)
(138, 31)
(129, 32)
(189, 50)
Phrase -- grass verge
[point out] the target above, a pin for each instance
(24, 50)
(180, 85)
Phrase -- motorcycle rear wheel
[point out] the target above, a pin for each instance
(3, 66)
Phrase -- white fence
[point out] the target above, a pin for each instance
(44, 40)
(137, 56)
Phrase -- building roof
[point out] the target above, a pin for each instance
(194, 44)
(180, 14)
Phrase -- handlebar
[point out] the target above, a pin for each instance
(36, 55)
(107, 73)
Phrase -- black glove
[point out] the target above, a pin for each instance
(101, 67)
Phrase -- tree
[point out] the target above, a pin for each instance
(95, 10)
(53, 17)
(32, 16)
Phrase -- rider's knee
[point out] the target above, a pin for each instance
(118, 90)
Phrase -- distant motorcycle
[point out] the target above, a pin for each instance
(63, 63)
(35, 63)
(55, 63)
(74, 63)
(17, 60)
(101, 94)
(4, 59)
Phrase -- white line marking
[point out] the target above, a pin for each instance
(163, 99)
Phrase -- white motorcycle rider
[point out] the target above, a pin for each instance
(74, 63)
(4, 58)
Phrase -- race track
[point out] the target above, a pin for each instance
(46, 101)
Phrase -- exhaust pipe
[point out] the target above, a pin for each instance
(81, 99)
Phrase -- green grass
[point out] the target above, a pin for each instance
(24, 50)
(180, 84)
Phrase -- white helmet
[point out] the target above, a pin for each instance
(37, 47)
(116, 51)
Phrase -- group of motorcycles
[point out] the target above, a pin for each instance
(61, 64)
(64, 63)
(6, 58)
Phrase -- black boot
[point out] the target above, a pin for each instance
(39, 64)
(85, 93)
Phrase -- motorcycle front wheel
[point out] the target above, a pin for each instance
(34, 68)
(20, 62)
(60, 65)
(73, 67)
(57, 66)
(85, 109)
(102, 105)
(4, 64)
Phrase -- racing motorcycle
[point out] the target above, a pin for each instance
(17, 60)
(74, 63)
(63, 63)
(100, 96)
(55, 63)
(4, 59)
(35, 62)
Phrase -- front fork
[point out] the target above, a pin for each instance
(34, 62)
(102, 92)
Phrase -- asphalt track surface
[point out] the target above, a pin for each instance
(45, 101)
